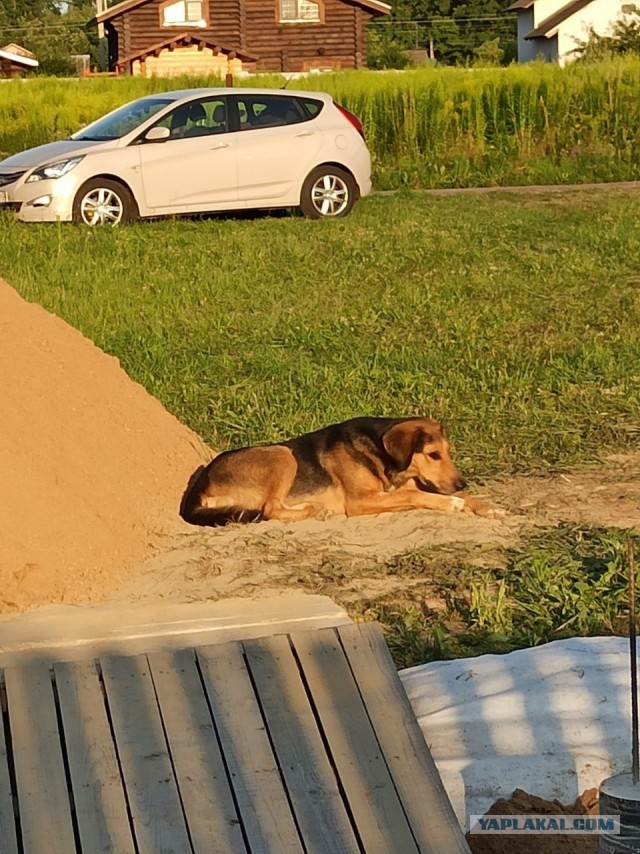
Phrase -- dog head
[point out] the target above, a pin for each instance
(419, 448)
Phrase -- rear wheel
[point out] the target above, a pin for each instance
(102, 201)
(328, 191)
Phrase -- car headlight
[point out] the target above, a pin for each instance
(53, 170)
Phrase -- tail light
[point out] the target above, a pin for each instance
(353, 120)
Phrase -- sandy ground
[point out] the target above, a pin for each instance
(249, 559)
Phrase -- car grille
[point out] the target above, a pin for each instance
(10, 177)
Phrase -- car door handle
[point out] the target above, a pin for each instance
(220, 145)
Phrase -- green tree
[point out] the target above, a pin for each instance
(52, 32)
(385, 50)
(489, 54)
(452, 29)
(624, 38)
(14, 11)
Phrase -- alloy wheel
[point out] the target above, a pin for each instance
(330, 195)
(101, 206)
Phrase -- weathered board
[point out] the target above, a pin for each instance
(352, 742)
(293, 743)
(410, 764)
(199, 768)
(43, 798)
(253, 769)
(98, 794)
(311, 783)
(8, 837)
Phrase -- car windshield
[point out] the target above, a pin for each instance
(122, 121)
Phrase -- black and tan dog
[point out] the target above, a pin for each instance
(360, 467)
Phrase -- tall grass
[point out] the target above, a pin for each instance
(432, 127)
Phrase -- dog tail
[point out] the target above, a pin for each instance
(193, 511)
(195, 514)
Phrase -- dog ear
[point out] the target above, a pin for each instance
(402, 441)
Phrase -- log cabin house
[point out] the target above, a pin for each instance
(168, 37)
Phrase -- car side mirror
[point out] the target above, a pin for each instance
(157, 134)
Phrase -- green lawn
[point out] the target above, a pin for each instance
(513, 318)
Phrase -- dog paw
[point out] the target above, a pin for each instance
(323, 514)
(481, 508)
(495, 513)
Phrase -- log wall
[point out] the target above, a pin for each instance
(186, 60)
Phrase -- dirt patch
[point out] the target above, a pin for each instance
(607, 495)
(246, 559)
(522, 803)
(92, 466)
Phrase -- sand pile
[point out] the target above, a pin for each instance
(92, 468)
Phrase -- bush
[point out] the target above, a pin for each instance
(385, 52)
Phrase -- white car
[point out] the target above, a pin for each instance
(196, 151)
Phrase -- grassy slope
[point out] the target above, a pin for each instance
(514, 319)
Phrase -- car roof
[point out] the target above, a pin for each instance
(185, 94)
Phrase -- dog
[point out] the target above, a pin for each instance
(360, 467)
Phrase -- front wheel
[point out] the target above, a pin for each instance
(328, 191)
(104, 202)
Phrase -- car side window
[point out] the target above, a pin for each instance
(265, 111)
(204, 117)
(312, 106)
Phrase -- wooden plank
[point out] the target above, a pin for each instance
(310, 780)
(202, 779)
(372, 797)
(117, 629)
(100, 805)
(415, 775)
(262, 801)
(158, 821)
(45, 811)
(8, 839)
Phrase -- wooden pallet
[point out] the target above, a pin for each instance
(293, 743)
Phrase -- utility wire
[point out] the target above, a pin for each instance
(61, 26)
(447, 20)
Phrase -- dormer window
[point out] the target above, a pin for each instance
(182, 13)
(299, 12)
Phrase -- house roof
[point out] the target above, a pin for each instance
(375, 6)
(126, 5)
(548, 27)
(520, 4)
(24, 57)
(187, 39)
(18, 50)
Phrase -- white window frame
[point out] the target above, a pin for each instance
(299, 15)
(198, 22)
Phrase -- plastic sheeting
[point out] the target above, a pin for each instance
(553, 720)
